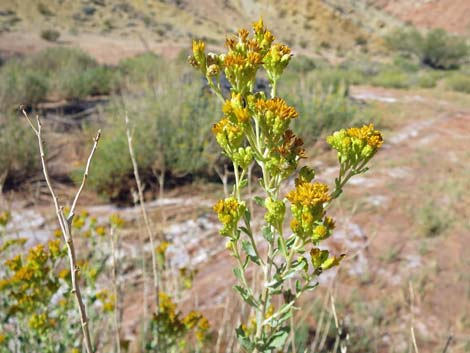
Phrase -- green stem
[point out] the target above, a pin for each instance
(240, 263)
(274, 88)
(265, 296)
(237, 181)
(216, 90)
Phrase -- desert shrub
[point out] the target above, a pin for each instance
(172, 135)
(20, 85)
(360, 40)
(44, 10)
(436, 49)
(37, 306)
(141, 70)
(443, 51)
(426, 79)
(62, 73)
(405, 63)
(432, 220)
(458, 82)
(51, 35)
(52, 60)
(18, 159)
(79, 85)
(391, 79)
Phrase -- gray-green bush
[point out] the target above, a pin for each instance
(436, 49)
(172, 134)
(459, 82)
(58, 73)
(18, 160)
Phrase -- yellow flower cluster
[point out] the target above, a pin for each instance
(355, 145)
(195, 320)
(30, 283)
(107, 299)
(116, 220)
(228, 135)
(5, 217)
(244, 57)
(372, 137)
(308, 201)
(40, 322)
(161, 248)
(274, 116)
(309, 194)
(229, 211)
(169, 320)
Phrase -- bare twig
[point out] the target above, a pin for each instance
(148, 226)
(144, 274)
(66, 224)
(412, 329)
(449, 339)
(339, 328)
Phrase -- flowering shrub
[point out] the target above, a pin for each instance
(172, 330)
(255, 128)
(37, 307)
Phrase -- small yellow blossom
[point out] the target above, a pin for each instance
(161, 248)
(5, 217)
(229, 211)
(367, 133)
(116, 220)
(309, 194)
(100, 230)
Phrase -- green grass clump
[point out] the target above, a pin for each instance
(426, 79)
(459, 82)
(141, 70)
(172, 134)
(54, 73)
(391, 79)
(51, 35)
(21, 85)
(94, 81)
(432, 221)
(19, 159)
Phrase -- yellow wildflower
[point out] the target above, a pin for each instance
(100, 230)
(367, 133)
(276, 107)
(161, 248)
(116, 220)
(309, 194)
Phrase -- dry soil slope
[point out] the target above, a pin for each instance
(452, 15)
(303, 23)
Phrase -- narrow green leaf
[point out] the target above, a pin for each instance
(278, 339)
(250, 251)
(259, 201)
(267, 233)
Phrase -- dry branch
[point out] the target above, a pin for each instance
(66, 224)
(148, 226)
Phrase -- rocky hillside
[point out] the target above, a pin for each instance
(303, 24)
